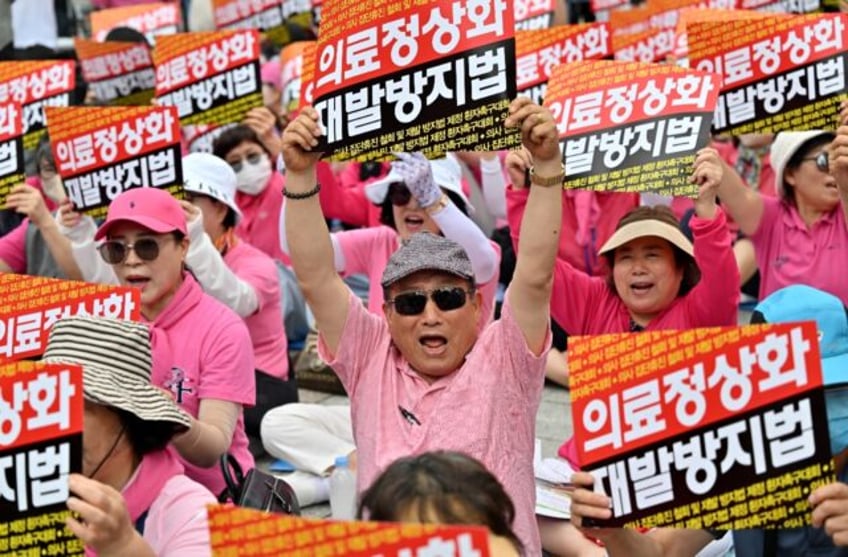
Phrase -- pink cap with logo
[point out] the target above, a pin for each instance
(152, 208)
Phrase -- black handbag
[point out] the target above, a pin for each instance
(257, 489)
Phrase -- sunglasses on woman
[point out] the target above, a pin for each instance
(445, 298)
(822, 161)
(252, 159)
(115, 252)
(399, 194)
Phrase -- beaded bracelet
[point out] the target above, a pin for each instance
(302, 195)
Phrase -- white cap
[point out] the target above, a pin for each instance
(447, 173)
(206, 174)
(785, 145)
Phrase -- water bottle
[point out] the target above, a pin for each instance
(343, 491)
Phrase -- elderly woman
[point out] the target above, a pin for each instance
(800, 236)
(132, 497)
(657, 280)
(203, 350)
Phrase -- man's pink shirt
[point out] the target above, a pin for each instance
(790, 253)
(486, 409)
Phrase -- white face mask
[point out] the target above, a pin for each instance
(252, 179)
(53, 188)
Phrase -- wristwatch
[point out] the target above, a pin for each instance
(547, 181)
(440, 204)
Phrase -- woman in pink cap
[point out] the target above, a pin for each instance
(202, 350)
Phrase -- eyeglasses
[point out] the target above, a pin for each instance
(115, 252)
(445, 298)
(252, 159)
(399, 194)
(822, 161)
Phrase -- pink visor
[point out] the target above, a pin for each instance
(151, 208)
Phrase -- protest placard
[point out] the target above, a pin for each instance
(34, 85)
(706, 428)
(532, 15)
(236, 531)
(280, 21)
(307, 75)
(779, 73)
(210, 77)
(644, 46)
(692, 14)
(118, 73)
(11, 149)
(30, 305)
(538, 52)
(432, 77)
(291, 70)
(100, 152)
(632, 127)
(41, 411)
(153, 20)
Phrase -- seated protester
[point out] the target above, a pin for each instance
(828, 536)
(800, 236)
(588, 220)
(132, 497)
(35, 244)
(443, 487)
(416, 195)
(203, 349)
(423, 376)
(657, 280)
(252, 149)
(240, 276)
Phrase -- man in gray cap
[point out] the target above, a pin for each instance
(421, 377)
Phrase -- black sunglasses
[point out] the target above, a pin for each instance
(115, 252)
(398, 194)
(252, 159)
(445, 298)
(822, 161)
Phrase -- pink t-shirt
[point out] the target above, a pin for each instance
(790, 253)
(270, 346)
(13, 248)
(486, 409)
(259, 225)
(211, 356)
(584, 305)
(176, 524)
(367, 251)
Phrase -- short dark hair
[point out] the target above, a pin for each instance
(797, 158)
(387, 215)
(445, 486)
(233, 137)
(691, 272)
(147, 436)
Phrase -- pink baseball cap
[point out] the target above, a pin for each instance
(151, 208)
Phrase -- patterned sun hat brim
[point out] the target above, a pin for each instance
(116, 360)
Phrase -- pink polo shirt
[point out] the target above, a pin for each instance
(584, 305)
(790, 253)
(486, 409)
(367, 251)
(270, 346)
(211, 356)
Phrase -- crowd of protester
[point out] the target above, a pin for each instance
(442, 331)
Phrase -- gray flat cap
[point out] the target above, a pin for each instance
(425, 251)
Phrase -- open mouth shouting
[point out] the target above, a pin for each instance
(433, 345)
